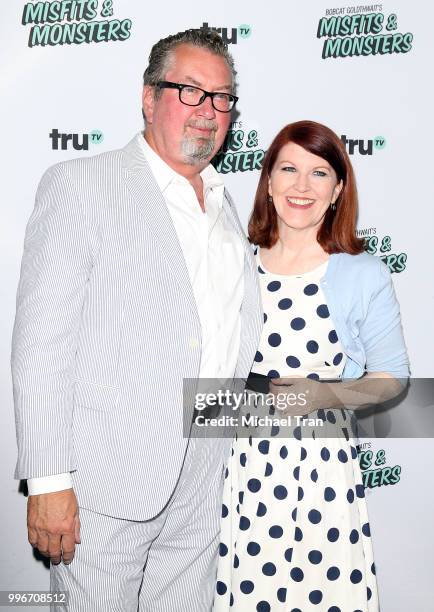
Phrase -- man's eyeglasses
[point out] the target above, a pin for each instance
(193, 96)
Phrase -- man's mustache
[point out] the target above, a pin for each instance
(204, 124)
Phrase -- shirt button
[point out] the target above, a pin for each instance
(194, 342)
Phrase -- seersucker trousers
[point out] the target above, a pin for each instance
(166, 564)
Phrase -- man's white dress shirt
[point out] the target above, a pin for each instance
(214, 256)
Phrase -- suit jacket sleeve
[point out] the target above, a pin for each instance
(55, 267)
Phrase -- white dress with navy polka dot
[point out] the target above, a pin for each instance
(295, 532)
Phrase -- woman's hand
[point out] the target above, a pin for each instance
(304, 395)
(297, 396)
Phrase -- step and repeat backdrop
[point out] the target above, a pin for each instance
(71, 86)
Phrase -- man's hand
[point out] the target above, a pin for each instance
(53, 524)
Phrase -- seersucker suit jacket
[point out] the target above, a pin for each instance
(106, 330)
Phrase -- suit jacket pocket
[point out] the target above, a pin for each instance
(95, 396)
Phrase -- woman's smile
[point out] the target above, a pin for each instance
(300, 203)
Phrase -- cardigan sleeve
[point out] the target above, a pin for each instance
(381, 331)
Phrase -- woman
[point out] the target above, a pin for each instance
(295, 530)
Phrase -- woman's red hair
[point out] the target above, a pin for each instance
(337, 233)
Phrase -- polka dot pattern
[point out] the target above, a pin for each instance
(315, 556)
(261, 510)
(354, 536)
(223, 551)
(274, 339)
(281, 595)
(273, 374)
(244, 523)
(275, 531)
(333, 534)
(325, 454)
(253, 549)
(315, 597)
(296, 306)
(284, 304)
(356, 576)
(269, 569)
(246, 586)
(221, 588)
(297, 574)
(254, 485)
(333, 573)
(314, 517)
(293, 362)
(323, 311)
(274, 286)
(312, 346)
(268, 469)
(311, 289)
(295, 530)
(280, 492)
(298, 323)
(337, 359)
(332, 336)
(366, 530)
(329, 494)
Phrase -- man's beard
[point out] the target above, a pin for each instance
(198, 149)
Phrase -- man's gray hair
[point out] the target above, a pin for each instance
(161, 53)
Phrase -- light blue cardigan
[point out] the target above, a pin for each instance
(362, 303)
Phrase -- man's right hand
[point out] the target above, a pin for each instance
(54, 525)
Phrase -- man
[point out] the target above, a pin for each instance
(135, 275)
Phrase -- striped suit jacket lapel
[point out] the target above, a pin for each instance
(150, 201)
(251, 310)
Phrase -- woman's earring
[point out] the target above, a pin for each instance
(333, 206)
(270, 199)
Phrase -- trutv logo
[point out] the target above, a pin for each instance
(79, 142)
(230, 35)
(361, 146)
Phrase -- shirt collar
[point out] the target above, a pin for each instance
(165, 175)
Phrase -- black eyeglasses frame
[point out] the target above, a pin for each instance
(206, 94)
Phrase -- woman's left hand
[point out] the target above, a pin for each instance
(298, 396)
